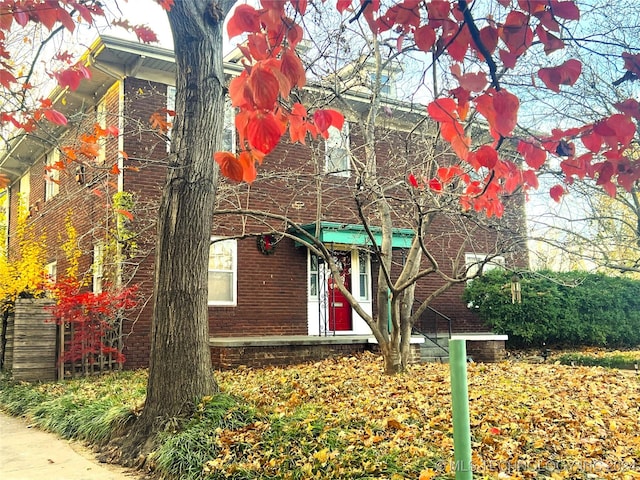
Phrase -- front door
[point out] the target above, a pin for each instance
(339, 308)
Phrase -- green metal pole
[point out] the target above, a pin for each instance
(460, 409)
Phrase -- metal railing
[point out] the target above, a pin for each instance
(434, 337)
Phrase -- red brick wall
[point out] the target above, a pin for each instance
(272, 289)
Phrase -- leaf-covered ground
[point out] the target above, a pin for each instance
(344, 419)
(351, 421)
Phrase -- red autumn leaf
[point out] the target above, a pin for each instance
(300, 6)
(435, 185)
(592, 141)
(500, 108)
(114, 169)
(21, 17)
(453, 132)
(567, 9)
(264, 132)
(446, 174)
(556, 192)
(325, 118)
(265, 87)
(342, 5)
(474, 82)
(438, 10)
(489, 38)
(229, 165)
(442, 110)
(125, 213)
(166, 4)
(412, 180)
(240, 92)
(632, 62)
(459, 45)
(294, 35)
(245, 18)
(425, 37)
(629, 107)
(530, 178)
(508, 59)
(486, 156)
(565, 74)
(616, 129)
(248, 164)
(515, 32)
(6, 78)
(72, 76)
(292, 68)
(55, 117)
(534, 156)
(145, 34)
(551, 42)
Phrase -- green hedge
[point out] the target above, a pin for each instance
(571, 309)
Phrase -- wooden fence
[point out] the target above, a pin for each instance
(32, 344)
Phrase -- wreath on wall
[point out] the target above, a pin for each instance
(266, 244)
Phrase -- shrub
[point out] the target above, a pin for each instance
(572, 309)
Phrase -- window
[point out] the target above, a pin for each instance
(223, 272)
(363, 274)
(313, 275)
(337, 160)
(52, 175)
(25, 189)
(98, 267)
(228, 129)
(473, 262)
(101, 120)
(385, 84)
(52, 271)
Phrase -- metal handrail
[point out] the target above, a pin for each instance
(434, 340)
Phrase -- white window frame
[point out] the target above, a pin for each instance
(25, 189)
(98, 267)
(337, 159)
(228, 129)
(314, 276)
(101, 120)
(52, 185)
(364, 274)
(472, 263)
(51, 270)
(216, 242)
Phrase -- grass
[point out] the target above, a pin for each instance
(344, 419)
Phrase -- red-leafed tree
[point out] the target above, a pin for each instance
(482, 41)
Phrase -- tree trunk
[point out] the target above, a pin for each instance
(180, 371)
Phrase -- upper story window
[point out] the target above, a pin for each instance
(337, 158)
(387, 87)
(25, 189)
(228, 129)
(101, 120)
(223, 272)
(52, 175)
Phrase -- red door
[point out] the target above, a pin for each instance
(339, 308)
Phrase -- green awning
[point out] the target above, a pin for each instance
(350, 234)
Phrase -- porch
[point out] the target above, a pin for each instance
(280, 350)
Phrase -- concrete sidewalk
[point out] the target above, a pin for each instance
(30, 454)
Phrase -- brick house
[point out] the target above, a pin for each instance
(271, 299)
